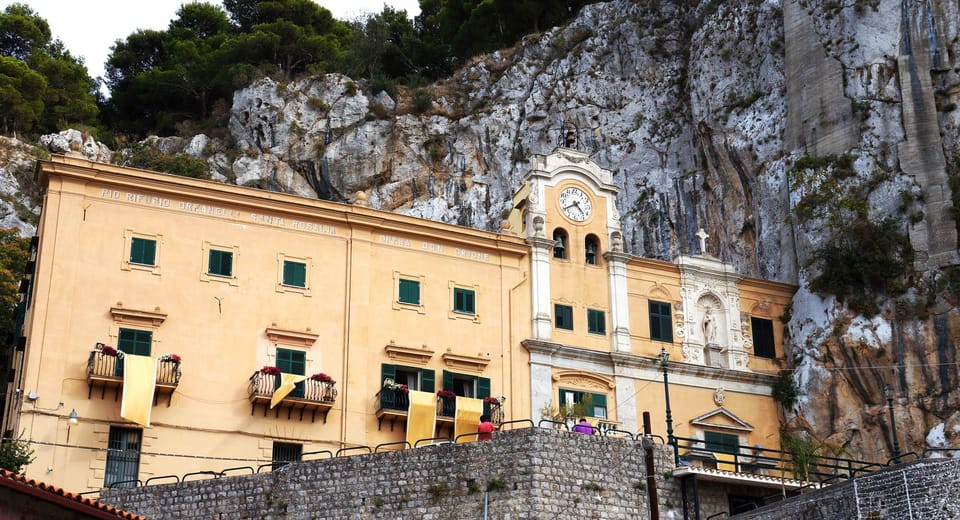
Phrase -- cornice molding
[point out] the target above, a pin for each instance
(152, 318)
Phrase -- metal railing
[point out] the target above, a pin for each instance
(816, 470)
(263, 385)
(782, 463)
(109, 367)
(387, 399)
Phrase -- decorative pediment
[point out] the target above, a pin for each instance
(722, 419)
(582, 379)
(137, 317)
(292, 337)
(464, 362)
(418, 356)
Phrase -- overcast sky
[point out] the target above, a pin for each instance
(88, 28)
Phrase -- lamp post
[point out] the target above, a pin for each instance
(664, 356)
(888, 393)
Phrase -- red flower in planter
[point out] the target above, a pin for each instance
(270, 371)
(323, 378)
(491, 400)
(107, 350)
(446, 394)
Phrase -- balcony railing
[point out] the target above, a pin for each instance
(106, 371)
(308, 396)
(809, 468)
(391, 405)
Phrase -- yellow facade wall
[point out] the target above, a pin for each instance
(348, 321)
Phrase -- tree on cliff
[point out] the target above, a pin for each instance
(42, 87)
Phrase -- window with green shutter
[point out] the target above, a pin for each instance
(577, 402)
(409, 291)
(563, 316)
(143, 251)
(721, 442)
(292, 362)
(596, 321)
(415, 378)
(294, 273)
(465, 386)
(134, 342)
(464, 300)
(220, 263)
(661, 321)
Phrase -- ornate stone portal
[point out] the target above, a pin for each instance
(711, 311)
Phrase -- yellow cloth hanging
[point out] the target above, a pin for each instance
(467, 418)
(421, 416)
(287, 384)
(139, 383)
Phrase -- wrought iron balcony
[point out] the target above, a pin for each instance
(308, 396)
(106, 371)
(391, 405)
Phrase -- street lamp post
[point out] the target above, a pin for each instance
(664, 356)
(888, 393)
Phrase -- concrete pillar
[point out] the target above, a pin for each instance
(619, 311)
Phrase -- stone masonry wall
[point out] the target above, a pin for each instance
(920, 489)
(529, 473)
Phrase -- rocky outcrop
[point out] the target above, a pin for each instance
(700, 110)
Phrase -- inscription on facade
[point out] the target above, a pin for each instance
(391, 240)
(217, 211)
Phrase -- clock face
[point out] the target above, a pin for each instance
(575, 204)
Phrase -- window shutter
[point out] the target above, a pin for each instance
(471, 304)
(599, 401)
(388, 399)
(387, 371)
(427, 380)
(212, 262)
(447, 380)
(483, 390)
(294, 273)
(135, 342)
(409, 291)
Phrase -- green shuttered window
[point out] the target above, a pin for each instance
(294, 273)
(721, 442)
(464, 300)
(143, 251)
(563, 316)
(220, 263)
(409, 292)
(596, 322)
(292, 362)
(661, 327)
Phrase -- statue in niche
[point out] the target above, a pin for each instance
(709, 326)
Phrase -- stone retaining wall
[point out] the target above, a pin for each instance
(526, 473)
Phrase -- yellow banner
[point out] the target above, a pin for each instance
(139, 383)
(287, 383)
(422, 416)
(467, 418)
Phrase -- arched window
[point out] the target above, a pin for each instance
(559, 243)
(591, 247)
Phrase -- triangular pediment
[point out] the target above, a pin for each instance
(723, 419)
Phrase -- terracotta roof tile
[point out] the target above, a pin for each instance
(14, 480)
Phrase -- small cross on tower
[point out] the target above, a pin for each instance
(702, 235)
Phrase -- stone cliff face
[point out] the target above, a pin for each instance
(702, 111)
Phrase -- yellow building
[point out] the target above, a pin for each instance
(163, 311)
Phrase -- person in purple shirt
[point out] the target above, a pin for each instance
(583, 427)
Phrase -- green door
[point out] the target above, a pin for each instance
(292, 362)
(134, 342)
